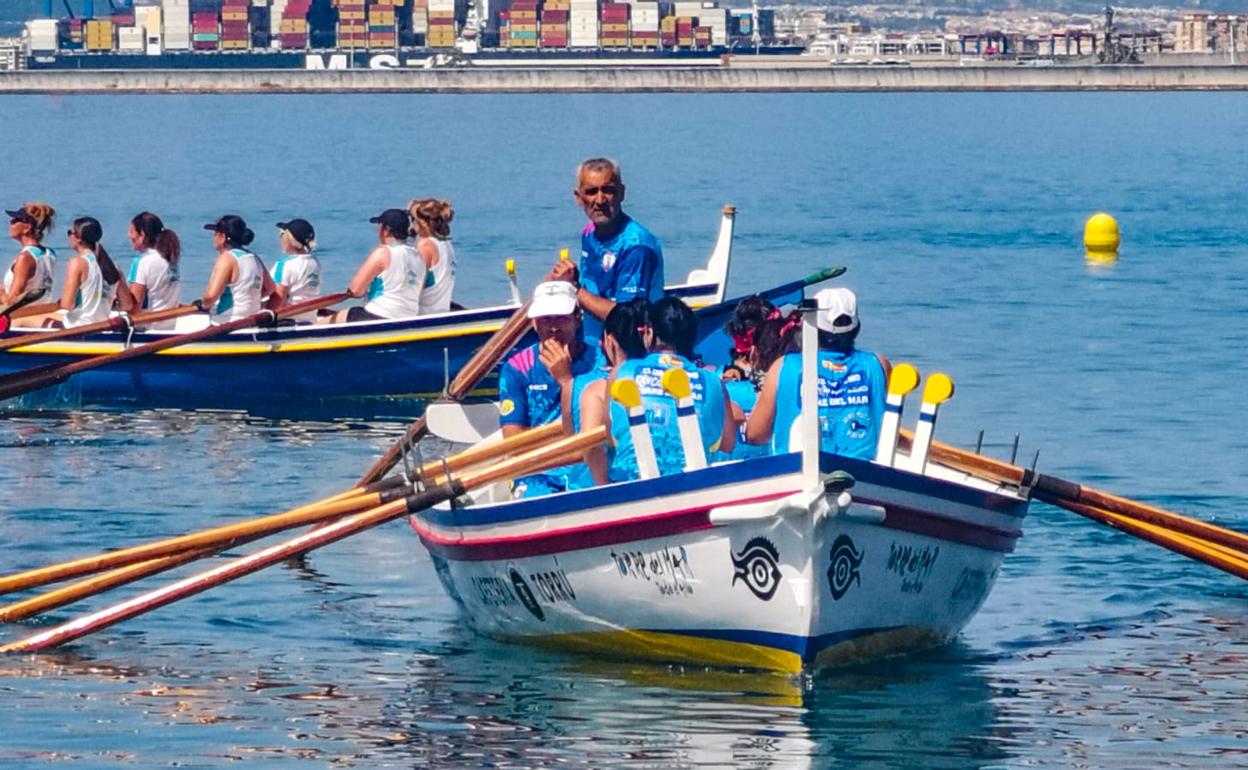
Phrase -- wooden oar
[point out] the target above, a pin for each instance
(524, 464)
(234, 534)
(40, 309)
(16, 384)
(1219, 556)
(473, 372)
(1065, 494)
(109, 324)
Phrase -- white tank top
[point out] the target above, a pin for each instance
(396, 292)
(45, 271)
(244, 296)
(440, 281)
(95, 298)
(301, 275)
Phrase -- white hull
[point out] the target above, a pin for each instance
(733, 565)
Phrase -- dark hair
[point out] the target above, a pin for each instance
(90, 232)
(157, 236)
(627, 323)
(743, 325)
(777, 336)
(41, 217)
(675, 325)
(234, 228)
(839, 343)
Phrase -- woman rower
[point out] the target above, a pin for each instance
(297, 274)
(626, 335)
(852, 382)
(154, 280)
(239, 283)
(675, 330)
(742, 390)
(34, 265)
(93, 284)
(431, 223)
(392, 276)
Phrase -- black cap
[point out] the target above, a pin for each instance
(397, 221)
(299, 229)
(20, 214)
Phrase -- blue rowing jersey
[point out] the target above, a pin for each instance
(745, 395)
(851, 394)
(626, 266)
(708, 403)
(529, 397)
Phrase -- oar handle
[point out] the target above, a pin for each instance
(823, 275)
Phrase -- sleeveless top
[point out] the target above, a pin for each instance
(439, 281)
(851, 396)
(242, 297)
(159, 278)
(395, 293)
(708, 403)
(94, 300)
(45, 271)
(744, 395)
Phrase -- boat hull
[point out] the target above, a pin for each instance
(730, 566)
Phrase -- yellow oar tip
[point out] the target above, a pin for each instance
(904, 379)
(563, 253)
(511, 265)
(627, 393)
(939, 389)
(676, 383)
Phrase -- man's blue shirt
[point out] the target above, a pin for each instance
(623, 267)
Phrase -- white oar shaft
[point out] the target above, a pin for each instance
(939, 390)
(643, 444)
(690, 434)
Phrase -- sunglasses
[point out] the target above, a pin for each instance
(20, 220)
(608, 190)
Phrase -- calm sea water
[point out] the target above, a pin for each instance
(960, 219)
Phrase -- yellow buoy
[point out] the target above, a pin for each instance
(1100, 237)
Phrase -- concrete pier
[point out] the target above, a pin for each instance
(672, 79)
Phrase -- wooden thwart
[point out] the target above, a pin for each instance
(109, 324)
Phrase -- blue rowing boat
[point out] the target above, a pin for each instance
(362, 369)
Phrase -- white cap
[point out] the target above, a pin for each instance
(553, 298)
(834, 305)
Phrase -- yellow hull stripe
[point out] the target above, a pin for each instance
(255, 348)
(672, 648)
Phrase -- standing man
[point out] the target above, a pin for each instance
(531, 382)
(620, 259)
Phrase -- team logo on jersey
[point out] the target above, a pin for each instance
(834, 366)
(412, 279)
(506, 407)
(670, 361)
(608, 261)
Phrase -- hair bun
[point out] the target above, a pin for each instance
(248, 236)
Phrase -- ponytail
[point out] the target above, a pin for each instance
(168, 245)
(675, 325)
(107, 268)
(157, 236)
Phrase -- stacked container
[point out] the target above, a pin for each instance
(99, 35)
(441, 24)
(554, 26)
(420, 19)
(352, 24)
(177, 24)
(383, 30)
(261, 20)
(44, 34)
(709, 15)
(614, 30)
(147, 20)
(645, 25)
(583, 24)
(235, 30)
(130, 39)
(291, 18)
(205, 31)
(522, 25)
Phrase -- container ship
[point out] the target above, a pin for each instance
(377, 34)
